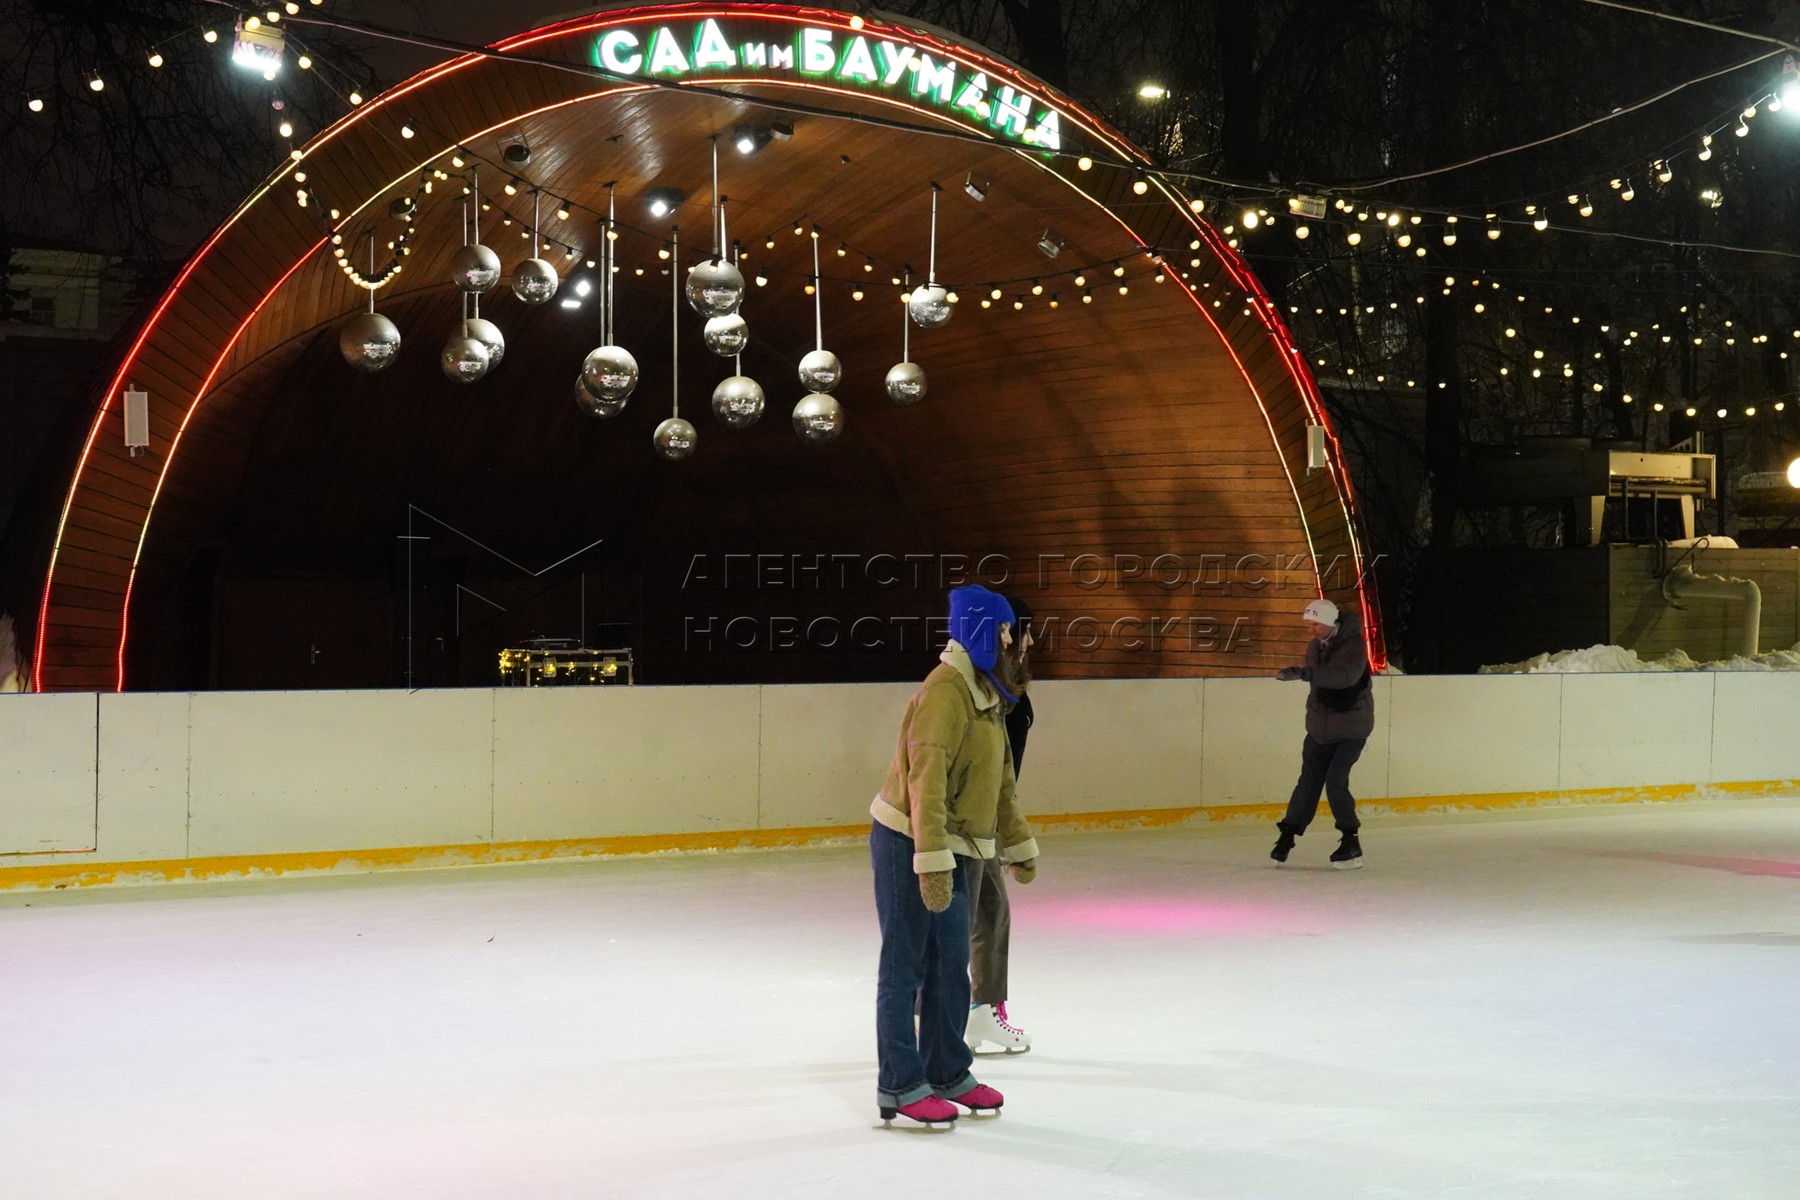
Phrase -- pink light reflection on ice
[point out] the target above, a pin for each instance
(1164, 916)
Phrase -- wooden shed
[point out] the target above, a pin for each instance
(1115, 427)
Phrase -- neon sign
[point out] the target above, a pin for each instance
(692, 50)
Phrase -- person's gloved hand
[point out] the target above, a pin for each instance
(1290, 673)
(1024, 872)
(935, 889)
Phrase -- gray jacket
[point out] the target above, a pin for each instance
(1340, 707)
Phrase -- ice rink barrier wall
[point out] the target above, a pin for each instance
(127, 788)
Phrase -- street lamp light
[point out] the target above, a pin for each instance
(1152, 91)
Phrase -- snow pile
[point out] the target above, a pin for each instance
(1602, 659)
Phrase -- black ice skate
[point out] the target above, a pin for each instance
(1284, 844)
(1348, 855)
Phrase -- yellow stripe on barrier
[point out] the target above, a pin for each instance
(255, 866)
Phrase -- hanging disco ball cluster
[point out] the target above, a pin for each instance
(609, 375)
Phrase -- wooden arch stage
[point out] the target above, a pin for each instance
(1132, 461)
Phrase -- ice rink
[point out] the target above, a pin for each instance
(1577, 1002)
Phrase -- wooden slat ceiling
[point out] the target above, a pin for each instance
(1151, 424)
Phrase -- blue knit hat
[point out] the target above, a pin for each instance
(976, 615)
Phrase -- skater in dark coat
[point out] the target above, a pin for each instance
(990, 913)
(1340, 716)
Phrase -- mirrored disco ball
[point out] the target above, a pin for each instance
(738, 401)
(675, 439)
(726, 335)
(820, 371)
(534, 281)
(610, 373)
(464, 359)
(369, 341)
(489, 335)
(596, 406)
(714, 287)
(906, 383)
(475, 268)
(930, 306)
(818, 419)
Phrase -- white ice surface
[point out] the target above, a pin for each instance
(1584, 1003)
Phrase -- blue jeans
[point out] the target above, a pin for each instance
(1324, 766)
(924, 959)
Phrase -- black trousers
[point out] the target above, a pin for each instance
(1324, 766)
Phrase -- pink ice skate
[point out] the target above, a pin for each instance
(929, 1110)
(980, 1098)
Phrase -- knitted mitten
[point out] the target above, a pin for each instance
(936, 889)
(1025, 872)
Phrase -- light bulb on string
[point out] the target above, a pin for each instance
(1627, 193)
(156, 58)
(1587, 207)
(35, 104)
(96, 84)
(304, 62)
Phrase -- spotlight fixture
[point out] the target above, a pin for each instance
(516, 154)
(781, 131)
(750, 138)
(257, 47)
(1051, 243)
(664, 201)
(1307, 206)
(977, 186)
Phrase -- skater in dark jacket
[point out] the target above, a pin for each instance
(1340, 715)
(990, 913)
